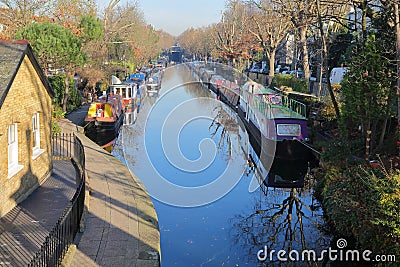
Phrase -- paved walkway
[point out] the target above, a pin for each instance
(121, 224)
(24, 229)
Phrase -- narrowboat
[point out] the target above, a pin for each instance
(274, 121)
(175, 55)
(104, 119)
(128, 91)
(153, 84)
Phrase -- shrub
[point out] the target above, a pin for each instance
(364, 203)
(58, 113)
(286, 80)
(55, 128)
(338, 152)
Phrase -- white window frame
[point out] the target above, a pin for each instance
(13, 166)
(36, 151)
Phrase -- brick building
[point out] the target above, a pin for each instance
(25, 124)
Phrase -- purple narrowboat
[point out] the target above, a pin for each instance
(277, 125)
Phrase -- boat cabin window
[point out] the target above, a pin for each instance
(123, 92)
(288, 129)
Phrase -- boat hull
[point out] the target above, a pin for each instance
(287, 149)
(103, 133)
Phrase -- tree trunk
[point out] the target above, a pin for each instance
(65, 100)
(364, 21)
(383, 132)
(271, 66)
(303, 41)
(397, 15)
(325, 61)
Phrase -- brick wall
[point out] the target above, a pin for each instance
(26, 97)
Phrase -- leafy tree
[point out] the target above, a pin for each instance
(368, 91)
(55, 47)
(57, 82)
(91, 28)
(92, 44)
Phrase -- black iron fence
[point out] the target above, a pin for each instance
(52, 251)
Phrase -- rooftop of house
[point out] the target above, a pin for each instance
(12, 54)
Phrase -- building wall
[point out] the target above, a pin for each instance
(26, 97)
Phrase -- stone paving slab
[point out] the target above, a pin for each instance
(24, 229)
(121, 227)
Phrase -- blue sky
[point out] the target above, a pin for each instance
(175, 16)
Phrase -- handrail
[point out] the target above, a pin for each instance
(266, 107)
(55, 246)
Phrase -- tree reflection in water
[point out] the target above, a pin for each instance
(220, 128)
(280, 218)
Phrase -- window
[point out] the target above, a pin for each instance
(289, 129)
(13, 166)
(36, 151)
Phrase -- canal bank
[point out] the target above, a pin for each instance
(121, 226)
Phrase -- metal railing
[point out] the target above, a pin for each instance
(258, 102)
(55, 246)
(294, 105)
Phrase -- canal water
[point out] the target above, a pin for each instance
(187, 149)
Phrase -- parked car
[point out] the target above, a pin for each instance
(281, 69)
(255, 68)
(287, 69)
(264, 71)
(297, 73)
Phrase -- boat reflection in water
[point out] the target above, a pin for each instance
(284, 214)
(286, 174)
(271, 171)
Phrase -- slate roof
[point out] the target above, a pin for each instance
(12, 54)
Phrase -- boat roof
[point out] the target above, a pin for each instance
(279, 112)
(154, 78)
(137, 77)
(256, 88)
(263, 99)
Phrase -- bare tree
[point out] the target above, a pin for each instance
(68, 13)
(166, 40)
(269, 27)
(16, 14)
(128, 38)
(301, 13)
(327, 28)
(232, 37)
